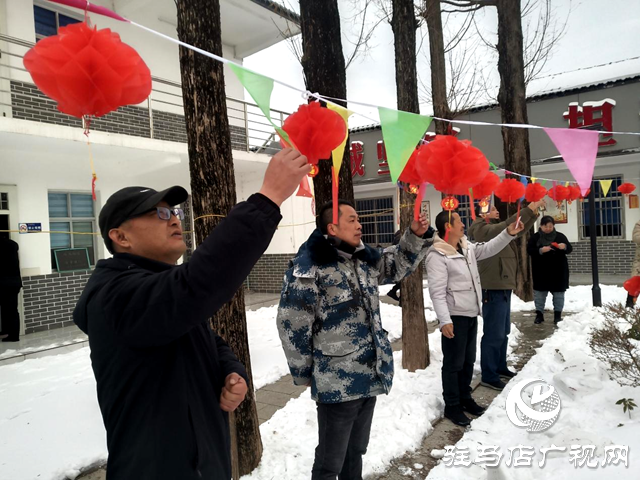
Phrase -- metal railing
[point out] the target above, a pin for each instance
(163, 112)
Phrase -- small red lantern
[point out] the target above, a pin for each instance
(574, 193)
(534, 192)
(484, 203)
(510, 190)
(414, 189)
(314, 171)
(315, 131)
(449, 203)
(487, 186)
(88, 71)
(633, 286)
(626, 188)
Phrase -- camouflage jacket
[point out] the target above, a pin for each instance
(329, 316)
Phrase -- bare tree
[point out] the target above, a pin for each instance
(415, 338)
(213, 188)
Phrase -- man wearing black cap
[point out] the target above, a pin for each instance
(165, 380)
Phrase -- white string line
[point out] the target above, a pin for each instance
(328, 99)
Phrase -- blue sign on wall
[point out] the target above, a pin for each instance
(29, 227)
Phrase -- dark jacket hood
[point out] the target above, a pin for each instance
(317, 250)
(109, 270)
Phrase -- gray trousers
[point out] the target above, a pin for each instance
(540, 298)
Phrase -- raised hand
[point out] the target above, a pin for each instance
(284, 173)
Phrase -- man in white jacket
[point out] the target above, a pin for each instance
(454, 286)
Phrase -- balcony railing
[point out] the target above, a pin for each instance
(161, 117)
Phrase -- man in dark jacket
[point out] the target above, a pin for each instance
(165, 381)
(10, 285)
(498, 279)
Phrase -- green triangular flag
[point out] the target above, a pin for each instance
(260, 88)
(401, 132)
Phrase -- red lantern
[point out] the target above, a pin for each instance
(409, 174)
(626, 188)
(510, 190)
(558, 193)
(88, 71)
(449, 203)
(453, 166)
(487, 186)
(414, 189)
(633, 286)
(534, 192)
(315, 131)
(314, 171)
(574, 193)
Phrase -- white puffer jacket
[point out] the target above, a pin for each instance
(454, 281)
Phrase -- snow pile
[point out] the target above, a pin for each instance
(576, 299)
(589, 415)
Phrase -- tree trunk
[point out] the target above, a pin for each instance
(325, 73)
(433, 17)
(415, 339)
(512, 98)
(213, 190)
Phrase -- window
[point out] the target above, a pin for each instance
(609, 212)
(72, 213)
(376, 218)
(4, 201)
(48, 21)
(463, 210)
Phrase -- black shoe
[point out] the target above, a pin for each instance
(557, 317)
(456, 415)
(539, 317)
(11, 339)
(507, 373)
(470, 405)
(393, 295)
(497, 385)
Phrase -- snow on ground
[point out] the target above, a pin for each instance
(27, 350)
(401, 419)
(589, 415)
(576, 299)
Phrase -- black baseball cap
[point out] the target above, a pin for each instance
(130, 202)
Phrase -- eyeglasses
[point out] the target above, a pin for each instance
(164, 213)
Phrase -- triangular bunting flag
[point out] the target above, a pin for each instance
(401, 132)
(260, 88)
(304, 190)
(338, 154)
(605, 185)
(578, 149)
(524, 182)
(533, 179)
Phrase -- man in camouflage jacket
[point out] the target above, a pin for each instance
(331, 332)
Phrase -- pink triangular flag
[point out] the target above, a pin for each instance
(578, 149)
(304, 190)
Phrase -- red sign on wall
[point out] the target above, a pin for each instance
(356, 154)
(383, 166)
(593, 115)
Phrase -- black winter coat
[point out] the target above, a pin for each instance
(9, 265)
(159, 368)
(551, 269)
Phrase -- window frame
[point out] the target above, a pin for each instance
(71, 220)
(377, 234)
(613, 195)
(57, 12)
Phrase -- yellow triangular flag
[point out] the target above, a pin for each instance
(605, 185)
(533, 179)
(566, 184)
(338, 153)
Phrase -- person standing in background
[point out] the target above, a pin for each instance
(10, 285)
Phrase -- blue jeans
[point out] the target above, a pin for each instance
(343, 437)
(496, 313)
(540, 298)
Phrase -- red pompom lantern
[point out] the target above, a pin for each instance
(626, 188)
(315, 131)
(487, 186)
(453, 166)
(558, 193)
(574, 193)
(633, 286)
(450, 203)
(510, 190)
(409, 174)
(88, 71)
(534, 192)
